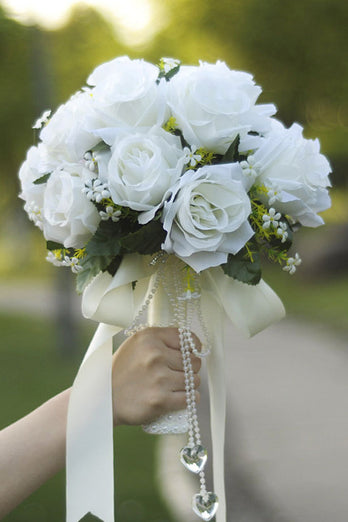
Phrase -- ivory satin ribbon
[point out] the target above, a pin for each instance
(114, 303)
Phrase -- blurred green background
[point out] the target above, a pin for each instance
(297, 52)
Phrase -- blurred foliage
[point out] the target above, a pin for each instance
(31, 372)
(313, 298)
(82, 44)
(296, 50)
(39, 70)
(17, 103)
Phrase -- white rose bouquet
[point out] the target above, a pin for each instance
(174, 158)
(175, 162)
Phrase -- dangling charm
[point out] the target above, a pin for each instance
(194, 455)
(206, 505)
(194, 458)
(181, 287)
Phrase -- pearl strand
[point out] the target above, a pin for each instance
(183, 291)
(186, 303)
(136, 325)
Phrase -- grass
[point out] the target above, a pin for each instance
(31, 372)
(322, 301)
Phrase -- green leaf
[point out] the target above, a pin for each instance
(114, 265)
(83, 278)
(42, 180)
(106, 240)
(91, 267)
(172, 72)
(232, 153)
(184, 143)
(52, 245)
(240, 267)
(167, 76)
(101, 147)
(147, 240)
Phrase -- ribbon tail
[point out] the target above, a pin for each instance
(214, 318)
(89, 460)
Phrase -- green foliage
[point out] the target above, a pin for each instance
(91, 267)
(296, 53)
(42, 179)
(101, 252)
(167, 75)
(184, 143)
(101, 147)
(241, 267)
(84, 42)
(146, 240)
(52, 245)
(170, 125)
(111, 241)
(17, 103)
(39, 70)
(106, 240)
(232, 153)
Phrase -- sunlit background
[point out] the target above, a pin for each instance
(297, 52)
(134, 21)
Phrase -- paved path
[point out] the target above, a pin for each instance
(39, 298)
(289, 399)
(287, 436)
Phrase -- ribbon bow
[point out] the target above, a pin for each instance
(113, 302)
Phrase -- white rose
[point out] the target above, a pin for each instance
(142, 168)
(126, 92)
(212, 105)
(69, 133)
(293, 167)
(30, 172)
(207, 216)
(33, 194)
(68, 216)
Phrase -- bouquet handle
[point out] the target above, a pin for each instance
(160, 314)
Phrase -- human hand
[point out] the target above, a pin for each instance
(148, 376)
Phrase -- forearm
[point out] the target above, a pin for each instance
(148, 380)
(31, 451)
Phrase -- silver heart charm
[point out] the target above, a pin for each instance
(205, 506)
(194, 458)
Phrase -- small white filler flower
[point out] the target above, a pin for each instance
(90, 161)
(292, 263)
(282, 232)
(73, 263)
(110, 213)
(273, 196)
(95, 190)
(40, 122)
(250, 167)
(191, 158)
(271, 219)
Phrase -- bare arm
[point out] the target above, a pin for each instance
(148, 380)
(31, 451)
